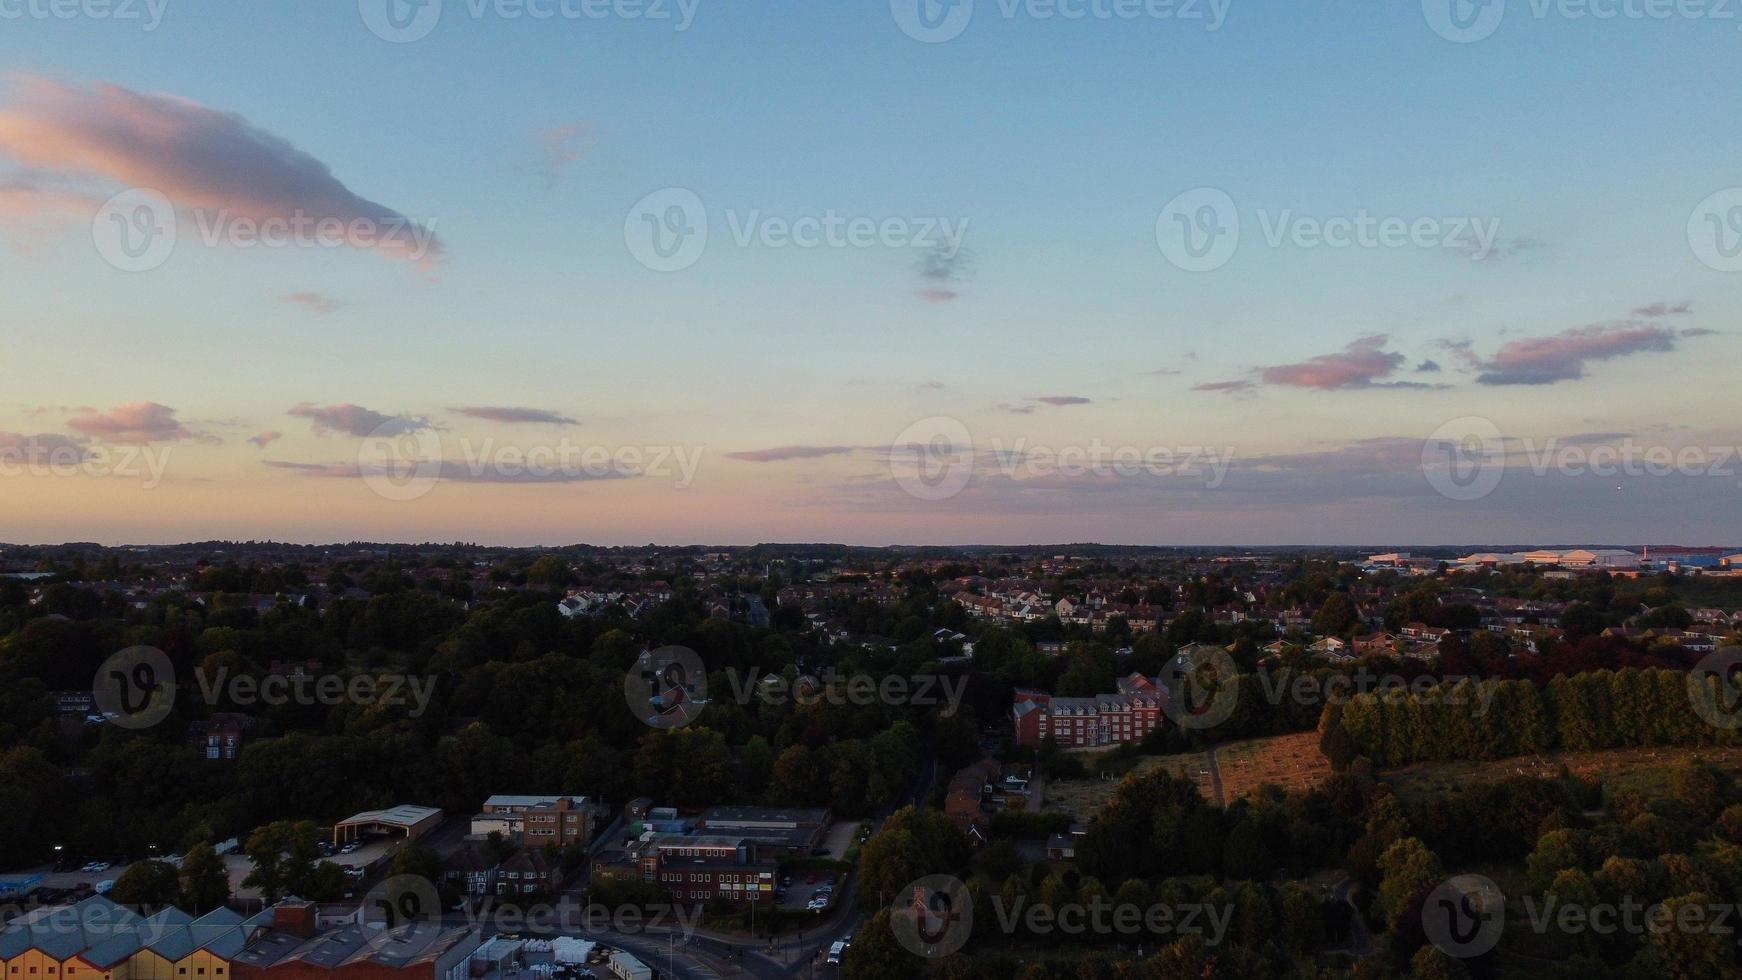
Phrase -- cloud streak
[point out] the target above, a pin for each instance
(781, 454)
(203, 159)
(515, 416)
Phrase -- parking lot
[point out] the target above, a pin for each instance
(801, 891)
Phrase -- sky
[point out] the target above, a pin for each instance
(988, 271)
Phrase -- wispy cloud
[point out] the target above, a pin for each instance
(314, 302)
(1226, 386)
(1657, 311)
(783, 453)
(458, 471)
(1061, 401)
(263, 439)
(201, 158)
(516, 416)
(563, 147)
(355, 420)
(941, 271)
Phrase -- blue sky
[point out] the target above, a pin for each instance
(1587, 145)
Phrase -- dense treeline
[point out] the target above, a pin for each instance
(520, 699)
(1495, 719)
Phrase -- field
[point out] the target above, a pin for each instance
(1645, 770)
(1291, 761)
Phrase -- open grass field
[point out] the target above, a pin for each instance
(1291, 761)
(1644, 770)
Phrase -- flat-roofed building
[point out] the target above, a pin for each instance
(534, 821)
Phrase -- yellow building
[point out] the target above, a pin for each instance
(98, 939)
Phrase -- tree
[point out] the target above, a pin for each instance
(877, 955)
(148, 884)
(1432, 963)
(284, 855)
(1336, 616)
(1407, 869)
(205, 882)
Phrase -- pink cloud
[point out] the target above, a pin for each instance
(140, 422)
(202, 158)
(1355, 366)
(1563, 356)
(1229, 386)
(263, 439)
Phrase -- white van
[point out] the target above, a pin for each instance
(836, 951)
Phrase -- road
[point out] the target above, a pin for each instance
(1216, 779)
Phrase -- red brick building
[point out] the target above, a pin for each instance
(1105, 719)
